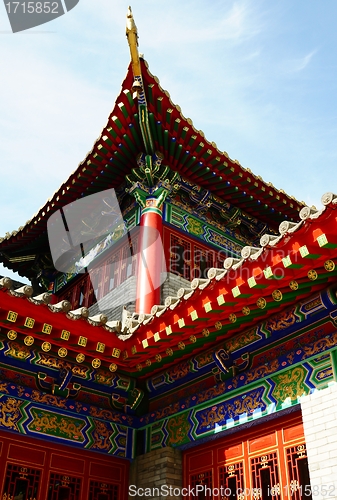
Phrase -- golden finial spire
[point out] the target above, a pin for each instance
(137, 86)
(132, 36)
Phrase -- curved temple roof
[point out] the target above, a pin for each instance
(114, 155)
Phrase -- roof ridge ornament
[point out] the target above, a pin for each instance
(132, 36)
(137, 86)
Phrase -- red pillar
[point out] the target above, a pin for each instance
(150, 257)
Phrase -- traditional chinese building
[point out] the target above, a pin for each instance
(219, 372)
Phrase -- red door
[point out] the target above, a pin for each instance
(268, 462)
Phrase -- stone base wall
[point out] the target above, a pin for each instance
(319, 412)
(161, 471)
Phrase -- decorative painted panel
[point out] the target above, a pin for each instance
(222, 411)
(293, 329)
(204, 231)
(81, 431)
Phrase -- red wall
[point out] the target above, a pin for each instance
(88, 474)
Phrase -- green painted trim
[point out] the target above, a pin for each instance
(333, 356)
(171, 209)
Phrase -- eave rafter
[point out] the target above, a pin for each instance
(56, 329)
(288, 268)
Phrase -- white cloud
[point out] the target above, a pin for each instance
(220, 22)
(296, 65)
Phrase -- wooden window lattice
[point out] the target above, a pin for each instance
(21, 482)
(106, 276)
(205, 479)
(190, 260)
(299, 481)
(121, 266)
(203, 261)
(267, 465)
(219, 259)
(81, 296)
(64, 487)
(265, 477)
(134, 253)
(99, 490)
(111, 273)
(180, 257)
(232, 480)
(124, 264)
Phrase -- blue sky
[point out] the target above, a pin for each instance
(258, 77)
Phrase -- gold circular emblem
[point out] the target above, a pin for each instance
(232, 317)
(205, 332)
(12, 334)
(277, 295)
(96, 363)
(181, 345)
(139, 367)
(46, 346)
(62, 352)
(261, 303)
(193, 339)
(329, 265)
(148, 362)
(169, 351)
(29, 340)
(293, 285)
(312, 275)
(245, 310)
(113, 367)
(218, 325)
(80, 357)
(158, 358)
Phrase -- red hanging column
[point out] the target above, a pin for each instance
(150, 255)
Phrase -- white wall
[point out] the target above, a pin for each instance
(319, 411)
